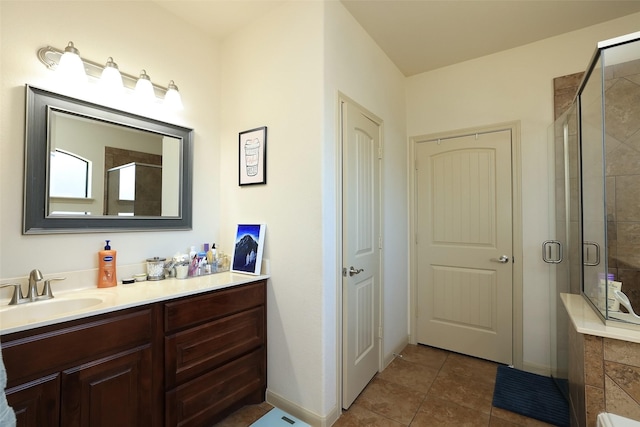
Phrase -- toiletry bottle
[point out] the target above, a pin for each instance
(209, 253)
(214, 255)
(107, 267)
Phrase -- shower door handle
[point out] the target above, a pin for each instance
(587, 254)
(547, 252)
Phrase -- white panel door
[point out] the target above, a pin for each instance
(464, 245)
(361, 252)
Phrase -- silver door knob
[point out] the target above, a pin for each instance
(353, 271)
(503, 259)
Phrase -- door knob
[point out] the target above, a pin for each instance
(503, 259)
(353, 271)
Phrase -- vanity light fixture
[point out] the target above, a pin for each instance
(111, 79)
(54, 59)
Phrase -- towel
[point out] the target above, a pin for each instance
(7, 416)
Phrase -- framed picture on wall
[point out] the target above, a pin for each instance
(252, 146)
(248, 247)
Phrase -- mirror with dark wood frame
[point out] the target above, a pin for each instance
(94, 168)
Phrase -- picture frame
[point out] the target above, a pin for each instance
(247, 248)
(252, 149)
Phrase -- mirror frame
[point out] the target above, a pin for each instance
(36, 189)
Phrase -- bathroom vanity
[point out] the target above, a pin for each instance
(187, 358)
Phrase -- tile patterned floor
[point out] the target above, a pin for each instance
(424, 387)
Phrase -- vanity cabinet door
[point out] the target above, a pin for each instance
(36, 403)
(113, 391)
(97, 371)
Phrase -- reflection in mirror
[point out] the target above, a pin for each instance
(92, 168)
(82, 175)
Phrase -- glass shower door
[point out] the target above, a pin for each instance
(560, 252)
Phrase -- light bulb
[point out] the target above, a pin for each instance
(144, 89)
(71, 68)
(111, 80)
(172, 98)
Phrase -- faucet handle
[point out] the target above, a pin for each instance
(46, 290)
(18, 296)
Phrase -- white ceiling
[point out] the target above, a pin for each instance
(422, 35)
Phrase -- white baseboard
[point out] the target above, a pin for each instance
(302, 413)
(389, 357)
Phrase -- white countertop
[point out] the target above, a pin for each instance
(586, 321)
(36, 314)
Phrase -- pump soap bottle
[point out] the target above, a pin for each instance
(107, 267)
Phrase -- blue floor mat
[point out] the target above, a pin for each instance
(531, 395)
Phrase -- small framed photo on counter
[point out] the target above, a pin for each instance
(248, 247)
(252, 147)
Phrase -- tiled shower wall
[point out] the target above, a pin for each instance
(604, 376)
(622, 151)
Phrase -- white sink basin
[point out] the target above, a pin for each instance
(44, 310)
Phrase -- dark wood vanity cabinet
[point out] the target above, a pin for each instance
(91, 372)
(215, 354)
(185, 362)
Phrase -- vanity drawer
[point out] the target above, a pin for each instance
(192, 311)
(209, 397)
(191, 352)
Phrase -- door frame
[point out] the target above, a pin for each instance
(341, 98)
(516, 179)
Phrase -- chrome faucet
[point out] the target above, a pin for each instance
(34, 277)
(32, 294)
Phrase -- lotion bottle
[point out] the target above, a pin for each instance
(107, 267)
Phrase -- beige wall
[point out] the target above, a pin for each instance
(286, 74)
(143, 37)
(514, 85)
(272, 76)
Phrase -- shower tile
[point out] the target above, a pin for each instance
(622, 352)
(629, 233)
(619, 402)
(424, 355)
(622, 109)
(634, 141)
(594, 401)
(593, 363)
(628, 198)
(440, 412)
(626, 377)
(610, 193)
(568, 81)
(634, 79)
(626, 69)
(408, 374)
(391, 400)
(622, 159)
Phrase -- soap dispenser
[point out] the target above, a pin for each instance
(107, 267)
